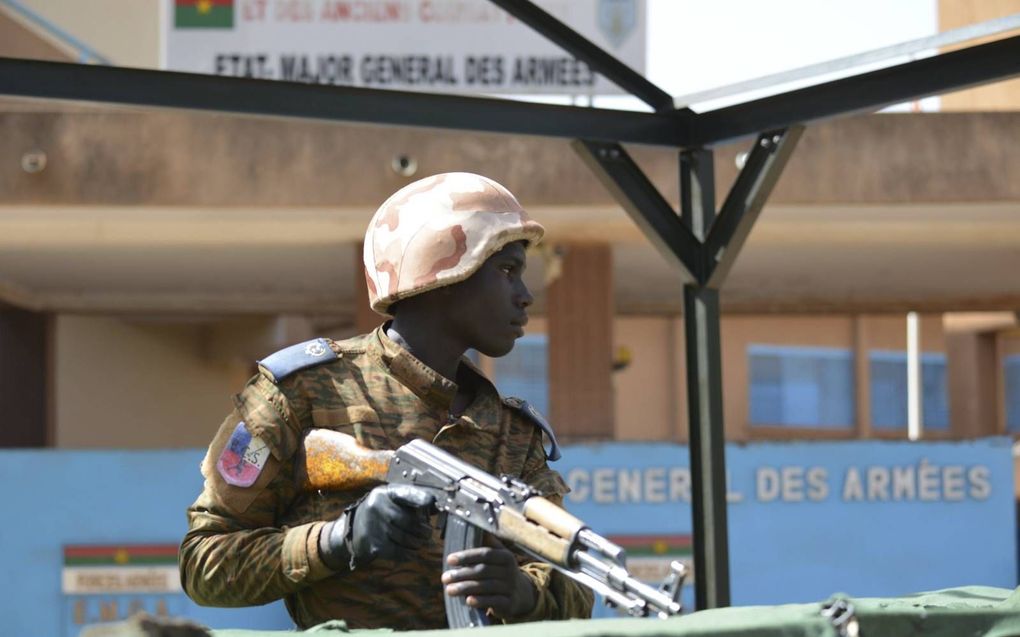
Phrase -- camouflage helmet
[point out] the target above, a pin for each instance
(438, 231)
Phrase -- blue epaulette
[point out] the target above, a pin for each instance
(553, 453)
(297, 357)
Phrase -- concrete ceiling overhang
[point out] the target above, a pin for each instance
(150, 211)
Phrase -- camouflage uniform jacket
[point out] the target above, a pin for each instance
(252, 545)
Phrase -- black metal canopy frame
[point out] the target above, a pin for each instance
(702, 243)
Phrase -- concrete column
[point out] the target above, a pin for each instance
(862, 376)
(580, 318)
(973, 379)
(974, 371)
(25, 379)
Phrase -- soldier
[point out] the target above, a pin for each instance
(444, 256)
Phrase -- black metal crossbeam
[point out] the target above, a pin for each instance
(583, 49)
(643, 202)
(938, 74)
(747, 197)
(866, 92)
(141, 87)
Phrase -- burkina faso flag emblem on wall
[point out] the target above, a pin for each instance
(209, 14)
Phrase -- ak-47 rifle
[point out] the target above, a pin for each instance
(473, 501)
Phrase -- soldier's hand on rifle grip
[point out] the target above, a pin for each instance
(490, 578)
(390, 522)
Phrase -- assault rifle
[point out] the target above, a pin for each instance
(474, 502)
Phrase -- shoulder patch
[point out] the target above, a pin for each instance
(553, 453)
(297, 357)
(241, 461)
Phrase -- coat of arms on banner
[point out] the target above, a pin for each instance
(617, 19)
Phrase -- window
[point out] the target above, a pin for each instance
(1012, 386)
(801, 386)
(524, 372)
(888, 372)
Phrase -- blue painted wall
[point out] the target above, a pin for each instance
(811, 519)
(55, 498)
(801, 526)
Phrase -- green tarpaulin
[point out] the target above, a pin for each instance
(971, 611)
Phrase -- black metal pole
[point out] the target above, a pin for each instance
(697, 190)
(704, 394)
(707, 448)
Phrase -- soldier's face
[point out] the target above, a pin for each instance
(489, 309)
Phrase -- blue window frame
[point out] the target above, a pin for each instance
(801, 386)
(524, 372)
(1012, 390)
(888, 374)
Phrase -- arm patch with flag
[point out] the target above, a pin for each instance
(241, 461)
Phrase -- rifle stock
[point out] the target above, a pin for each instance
(334, 461)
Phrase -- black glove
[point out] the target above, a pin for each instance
(390, 522)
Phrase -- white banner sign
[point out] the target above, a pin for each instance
(455, 46)
(81, 580)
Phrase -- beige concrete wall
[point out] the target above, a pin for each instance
(650, 391)
(739, 332)
(890, 332)
(143, 384)
(20, 42)
(120, 384)
(127, 32)
(999, 96)
(859, 334)
(130, 384)
(155, 157)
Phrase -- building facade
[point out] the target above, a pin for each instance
(137, 292)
